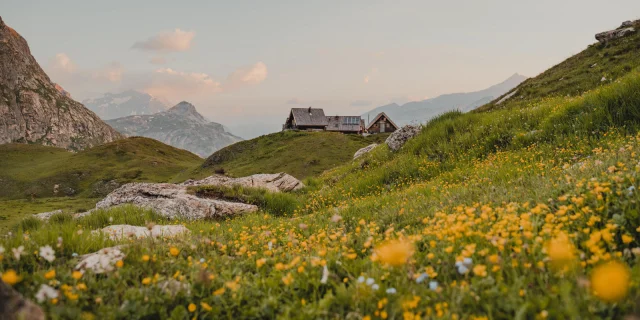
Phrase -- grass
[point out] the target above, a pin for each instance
(12, 211)
(275, 203)
(578, 74)
(300, 154)
(33, 171)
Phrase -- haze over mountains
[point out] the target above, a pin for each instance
(181, 126)
(422, 111)
(126, 103)
(33, 110)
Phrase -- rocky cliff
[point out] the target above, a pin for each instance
(32, 110)
(181, 126)
(123, 104)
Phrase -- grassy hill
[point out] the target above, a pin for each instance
(300, 154)
(578, 74)
(30, 170)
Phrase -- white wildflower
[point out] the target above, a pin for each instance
(270, 245)
(1, 250)
(421, 278)
(370, 281)
(375, 286)
(360, 279)
(433, 285)
(47, 253)
(391, 291)
(325, 275)
(45, 292)
(336, 218)
(17, 252)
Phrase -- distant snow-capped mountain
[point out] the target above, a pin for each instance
(126, 103)
(181, 126)
(425, 110)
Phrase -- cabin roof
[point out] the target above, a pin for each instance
(344, 123)
(309, 117)
(378, 118)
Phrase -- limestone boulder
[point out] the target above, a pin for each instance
(125, 231)
(13, 306)
(46, 215)
(102, 261)
(276, 182)
(604, 37)
(399, 137)
(364, 151)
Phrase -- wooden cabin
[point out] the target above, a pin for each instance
(381, 124)
(345, 124)
(306, 119)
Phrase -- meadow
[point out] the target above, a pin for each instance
(526, 213)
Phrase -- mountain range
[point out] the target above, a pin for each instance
(423, 111)
(180, 126)
(34, 110)
(126, 103)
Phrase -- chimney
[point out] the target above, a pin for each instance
(309, 110)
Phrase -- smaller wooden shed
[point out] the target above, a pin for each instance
(381, 124)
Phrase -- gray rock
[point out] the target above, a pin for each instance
(46, 215)
(172, 287)
(172, 201)
(604, 37)
(101, 261)
(124, 231)
(398, 138)
(13, 306)
(32, 110)
(364, 151)
(277, 182)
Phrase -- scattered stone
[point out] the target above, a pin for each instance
(13, 306)
(364, 151)
(276, 182)
(123, 231)
(101, 261)
(594, 65)
(399, 137)
(603, 79)
(44, 216)
(604, 37)
(172, 287)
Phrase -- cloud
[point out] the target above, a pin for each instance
(295, 101)
(168, 41)
(177, 85)
(111, 73)
(62, 62)
(251, 75)
(361, 103)
(158, 60)
(374, 72)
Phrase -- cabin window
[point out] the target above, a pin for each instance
(351, 120)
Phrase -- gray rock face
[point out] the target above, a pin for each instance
(124, 231)
(13, 306)
(604, 37)
(124, 104)
(181, 126)
(277, 182)
(32, 110)
(397, 139)
(46, 215)
(171, 201)
(364, 151)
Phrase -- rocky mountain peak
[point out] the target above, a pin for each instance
(32, 110)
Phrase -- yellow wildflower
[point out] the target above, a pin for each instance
(480, 270)
(10, 277)
(205, 306)
(192, 307)
(119, 263)
(219, 292)
(146, 281)
(174, 251)
(395, 252)
(260, 262)
(76, 275)
(610, 281)
(50, 274)
(288, 279)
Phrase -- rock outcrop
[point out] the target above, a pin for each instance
(181, 126)
(364, 151)
(125, 231)
(104, 260)
(32, 110)
(13, 306)
(627, 28)
(399, 137)
(172, 201)
(276, 182)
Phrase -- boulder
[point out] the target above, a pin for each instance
(104, 260)
(399, 137)
(276, 182)
(172, 201)
(13, 306)
(123, 231)
(364, 151)
(46, 215)
(604, 37)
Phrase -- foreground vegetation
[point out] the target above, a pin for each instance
(526, 213)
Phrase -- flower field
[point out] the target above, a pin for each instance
(519, 213)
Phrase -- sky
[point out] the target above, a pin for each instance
(246, 63)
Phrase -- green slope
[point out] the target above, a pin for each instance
(578, 74)
(300, 154)
(32, 171)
